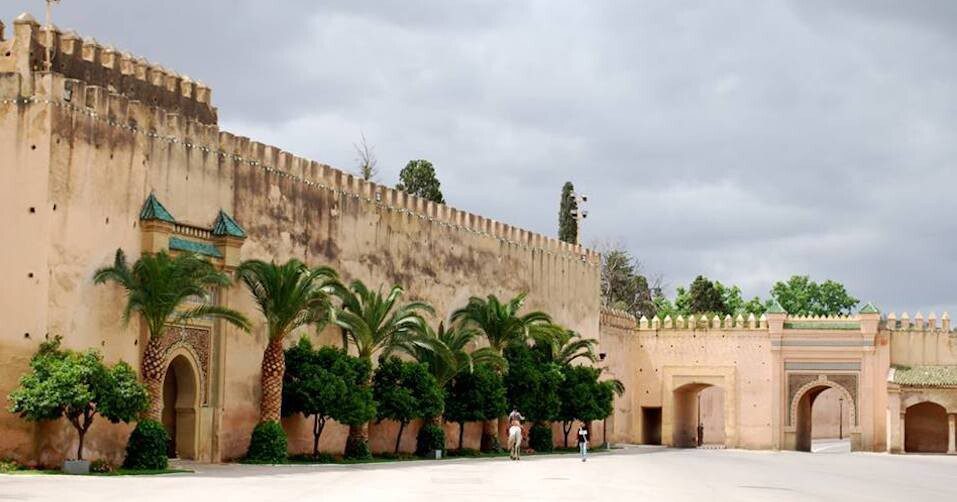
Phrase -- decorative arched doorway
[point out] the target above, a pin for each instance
(925, 428)
(699, 419)
(802, 412)
(181, 404)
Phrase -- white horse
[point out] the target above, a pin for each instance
(515, 442)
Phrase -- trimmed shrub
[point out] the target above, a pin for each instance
(101, 466)
(7, 465)
(146, 448)
(357, 449)
(540, 438)
(268, 444)
(431, 437)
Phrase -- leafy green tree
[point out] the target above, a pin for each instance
(474, 396)
(580, 396)
(567, 346)
(418, 178)
(623, 286)
(802, 296)
(567, 222)
(159, 287)
(705, 297)
(502, 326)
(78, 386)
(533, 381)
(289, 296)
(326, 384)
(405, 391)
(373, 323)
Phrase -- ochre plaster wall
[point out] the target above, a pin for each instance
(85, 159)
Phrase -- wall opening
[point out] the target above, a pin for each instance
(823, 421)
(925, 428)
(650, 425)
(699, 416)
(180, 407)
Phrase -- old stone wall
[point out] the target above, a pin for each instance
(80, 159)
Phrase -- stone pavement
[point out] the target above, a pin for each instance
(634, 473)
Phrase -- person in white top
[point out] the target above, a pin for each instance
(583, 441)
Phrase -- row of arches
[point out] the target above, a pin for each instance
(823, 415)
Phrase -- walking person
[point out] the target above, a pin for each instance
(583, 441)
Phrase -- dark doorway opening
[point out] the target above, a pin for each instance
(651, 425)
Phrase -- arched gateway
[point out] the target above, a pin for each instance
(181, 401)
(802, 407)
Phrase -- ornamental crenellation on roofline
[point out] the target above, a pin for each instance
(101, 85)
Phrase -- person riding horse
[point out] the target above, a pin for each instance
(515, 434)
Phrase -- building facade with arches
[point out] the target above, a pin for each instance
(778, 382)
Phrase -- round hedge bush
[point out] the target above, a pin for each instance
(357, 448)
(268, 444)
(540, 438)
(431, 437)
(146, 448)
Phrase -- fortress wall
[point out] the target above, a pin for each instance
(746, 351)
(99, 154)
(617, 342)
(921, 341)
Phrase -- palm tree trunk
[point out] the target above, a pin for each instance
(273, 367)
(490, 440)
(152, 370)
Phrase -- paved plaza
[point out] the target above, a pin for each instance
(636, 473)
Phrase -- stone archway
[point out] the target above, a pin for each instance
(925, 428)
(181, 399)
(699, 405)
(802, 409)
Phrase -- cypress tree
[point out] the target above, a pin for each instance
(567, 223)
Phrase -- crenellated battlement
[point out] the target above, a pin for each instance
(904, 322)
(86, 60)
(617, 318)
(111, 108)
(693, 322)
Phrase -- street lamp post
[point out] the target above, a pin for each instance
(840, 419)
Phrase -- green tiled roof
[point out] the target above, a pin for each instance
(153, 210)
(869, 308)
(845, 325)
(776, 308)
(924, 376)
(178, 244)
(226, 225)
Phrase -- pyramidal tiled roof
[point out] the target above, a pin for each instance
(869, 308)
(153, 210)
(776, 308)
(226, 225)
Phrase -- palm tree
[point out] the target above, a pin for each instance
(502, 326)
(165, 290)
(566, 346)
(446, 352)
(500, 323)
(289, 296)
(374, 323)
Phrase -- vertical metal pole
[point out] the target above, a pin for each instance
(840, 418)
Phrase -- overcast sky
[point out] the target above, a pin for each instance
(747, 141)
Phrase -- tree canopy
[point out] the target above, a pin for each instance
(478, 395)
(623, 286)
(78, 386)
(583, 397)
(567, 221)
(404, 391)
(802, 296)
(532, 382)
(326, 384)
(418, 178)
